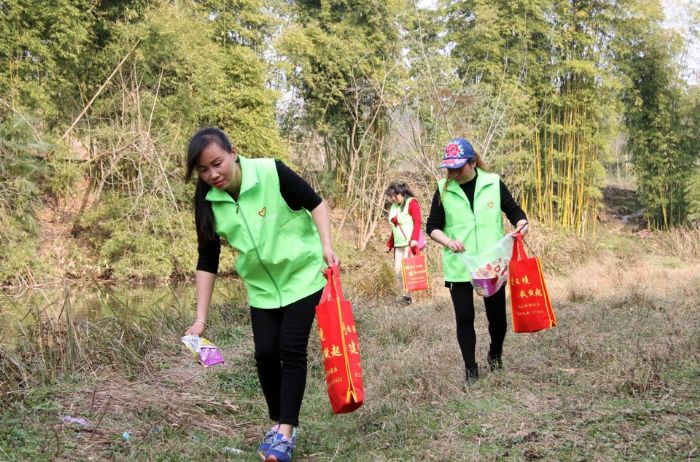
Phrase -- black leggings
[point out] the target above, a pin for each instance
(462, 294)
(281, 337)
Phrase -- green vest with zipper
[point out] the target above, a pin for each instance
(280, 256)
(477, 229)
(402, 232)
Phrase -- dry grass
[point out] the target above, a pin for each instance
(635, 320)
(174, 399)
(617, 379)
(122, 375)
(559, 251)
(51, 347)
(623, 333)
(677, 242)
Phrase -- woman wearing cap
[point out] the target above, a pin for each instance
(405, 222)
(280, 227)
(465, 216)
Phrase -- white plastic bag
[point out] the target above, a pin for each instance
(489, 269)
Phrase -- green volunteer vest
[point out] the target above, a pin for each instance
(405, 220)
(280, 256)
(477, 229)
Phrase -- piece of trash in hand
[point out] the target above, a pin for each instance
(203, 350)
(75, 420)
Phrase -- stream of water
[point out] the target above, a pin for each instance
(87, 302)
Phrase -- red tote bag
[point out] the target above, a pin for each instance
(340, 345)
(529, 299)
(414, 271)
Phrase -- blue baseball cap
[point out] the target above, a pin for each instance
(457, 153)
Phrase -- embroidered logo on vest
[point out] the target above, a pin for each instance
(262, 212)
(490, 204)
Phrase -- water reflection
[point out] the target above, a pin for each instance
(88, 302)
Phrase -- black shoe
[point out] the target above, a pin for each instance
(407, 300)
(494, 362)
(472, 374)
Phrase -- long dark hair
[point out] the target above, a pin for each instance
(203, 215)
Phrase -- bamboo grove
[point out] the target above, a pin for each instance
(96, 97)
(575, 72)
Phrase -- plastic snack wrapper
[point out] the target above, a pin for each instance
(489, 269)
(203, 350)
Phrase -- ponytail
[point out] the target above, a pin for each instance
(480, 163)
(203, 214)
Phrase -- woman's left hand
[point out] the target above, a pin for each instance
(414, 243)
(521, 227)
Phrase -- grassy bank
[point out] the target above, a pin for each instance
(618, 379)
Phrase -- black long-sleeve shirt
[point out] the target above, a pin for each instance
(436, 219)
(295, 191)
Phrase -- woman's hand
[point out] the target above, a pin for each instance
(521, 227)
(197, 328)
(455, 246)
(414, 243)
(330, 257)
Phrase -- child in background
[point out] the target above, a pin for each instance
(405, 222)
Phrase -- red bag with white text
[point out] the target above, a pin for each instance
(340, 345)
(414, 271)
(529, 299)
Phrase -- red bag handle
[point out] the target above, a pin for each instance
(518, 248)
(333, 288)
(415, 250)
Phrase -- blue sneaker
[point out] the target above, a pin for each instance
(267, 441)
(281, 450)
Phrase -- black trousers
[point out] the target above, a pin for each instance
(281, 337)
(462, 294)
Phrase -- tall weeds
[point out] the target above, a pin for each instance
(682, 242)
(49, 347)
